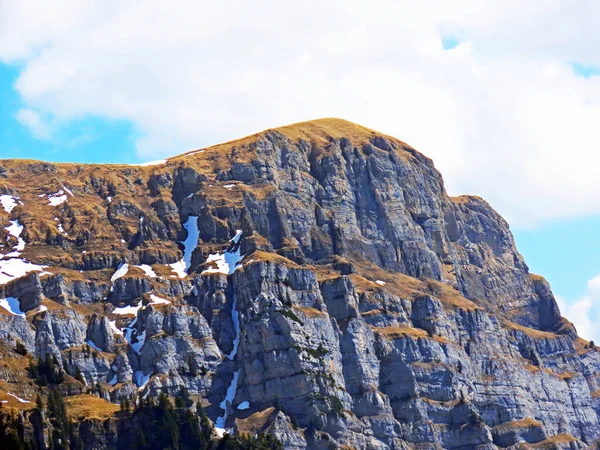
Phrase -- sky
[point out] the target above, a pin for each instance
(504, 96)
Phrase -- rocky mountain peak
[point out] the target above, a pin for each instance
(313, 281)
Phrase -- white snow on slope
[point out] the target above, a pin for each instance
(191, 242)
(381, 283)
(226, 262)
(140, 379)
(15, 229)
(229, 397)
(235, 317)
(18, 398)
(11, 266)
(179, 268)
(126, 310)
(58, 198)
(147, 270)
(16, 268)
(156, 300)
(232, 259)
(219, 260)
(158, 162)
(189, 245)
(8, 202)
(113, 326)
(12, 305)
(68, 190)
(121, 271)
(133, 337)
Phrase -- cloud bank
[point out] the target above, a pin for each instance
(585, 312)
(503, 114)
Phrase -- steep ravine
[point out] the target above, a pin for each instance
(356, 306)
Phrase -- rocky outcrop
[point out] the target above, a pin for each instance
(314, 282)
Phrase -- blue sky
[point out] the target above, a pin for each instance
(506, 101)
(89, 139)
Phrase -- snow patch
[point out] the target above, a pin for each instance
(109, 199)
(179, 268)
(137, 340)
(158, 162)
(12, 305)
(229, 186)
(16, 268)
(133, 337)
(237, 237)
(140, 379)
(229, 397)
(58, 198)
(68, 190)
(8, 202)
(41, 308)
(244, 405)
(156, 300)
(15, 229)
(18, 398)
(381, 283)
(147, 270)
(235, 317)
(126, 310)
(189, 245)
(121, 271)
(191, 241)
(94, 346)
(113, 326)
(227, 262)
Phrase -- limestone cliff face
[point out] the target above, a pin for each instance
(314, 281)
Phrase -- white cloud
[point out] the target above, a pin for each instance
(32, 120)
(585, 312)
(502, 115)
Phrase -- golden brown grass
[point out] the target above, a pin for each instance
(536, 334)
(261, 256)
(464, 199)
(254, 423)
(527, 422)
(9, 401)
(309, 312)
(556, 439)
(450, 296)
(531, 368)
(401, 331)
(87, 406)
(536, 277)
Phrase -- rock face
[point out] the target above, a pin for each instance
(315, 282)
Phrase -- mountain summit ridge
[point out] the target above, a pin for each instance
(313, 281)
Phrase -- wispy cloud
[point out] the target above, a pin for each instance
(585, 312)
(34, 122)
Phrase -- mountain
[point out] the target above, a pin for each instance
(314, 282)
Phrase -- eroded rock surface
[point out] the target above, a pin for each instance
(314, 281)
